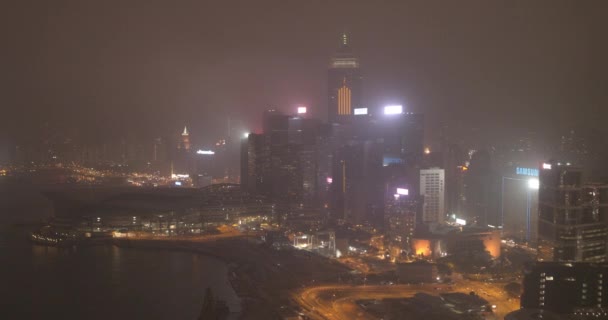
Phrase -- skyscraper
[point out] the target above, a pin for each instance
(432, 187)
(344, 83)
(482, 190)
(566, 288)
(252, 161)
(281, 163)
(185, 141)
(572, 223)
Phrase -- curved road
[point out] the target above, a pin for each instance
(334, 302)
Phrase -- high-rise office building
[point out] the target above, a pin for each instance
(482, 190)
(432, 188)
(401, 135)
(365, 152)
(572, 223)
(400, 212)
(566, 288)
(185, 140)
(182, 161)
(252, 161)
(282, 162)
(357, 182)
(455, 169)
(344, 83)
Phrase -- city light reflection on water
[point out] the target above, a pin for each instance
(104, 282)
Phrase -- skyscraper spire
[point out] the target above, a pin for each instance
(185, 143)
(344, 81)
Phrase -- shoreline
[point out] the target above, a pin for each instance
(264, 279)
(170, 245)
(237, 281)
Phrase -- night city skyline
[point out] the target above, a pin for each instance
(304, 160)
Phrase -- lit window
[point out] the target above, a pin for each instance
(344, 100)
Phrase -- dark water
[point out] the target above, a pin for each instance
(39, 282)
(105, 282)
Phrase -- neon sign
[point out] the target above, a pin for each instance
(526, 172)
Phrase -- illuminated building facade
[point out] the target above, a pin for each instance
(432, 188)
(572, 223)
(204, 168)
(474, 239)
(182, 160)
(185, 141)
(344, 83)
(400, 222)
(456, 241)
(344, 99)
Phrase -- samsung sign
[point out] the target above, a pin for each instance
(526, 172)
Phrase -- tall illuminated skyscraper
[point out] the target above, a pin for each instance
(185, 141)
(432, 187)
(344, 83)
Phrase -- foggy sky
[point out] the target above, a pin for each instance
(111, 68)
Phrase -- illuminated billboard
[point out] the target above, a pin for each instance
(396, 109)
(360, 111)
(547, 166)
(402, 191)
(526, 172)
(301, 110)
(461, 222)
(205, 152)
(390, 159)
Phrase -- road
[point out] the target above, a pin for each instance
(335, 302)
(493, 293)
(225, 232)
